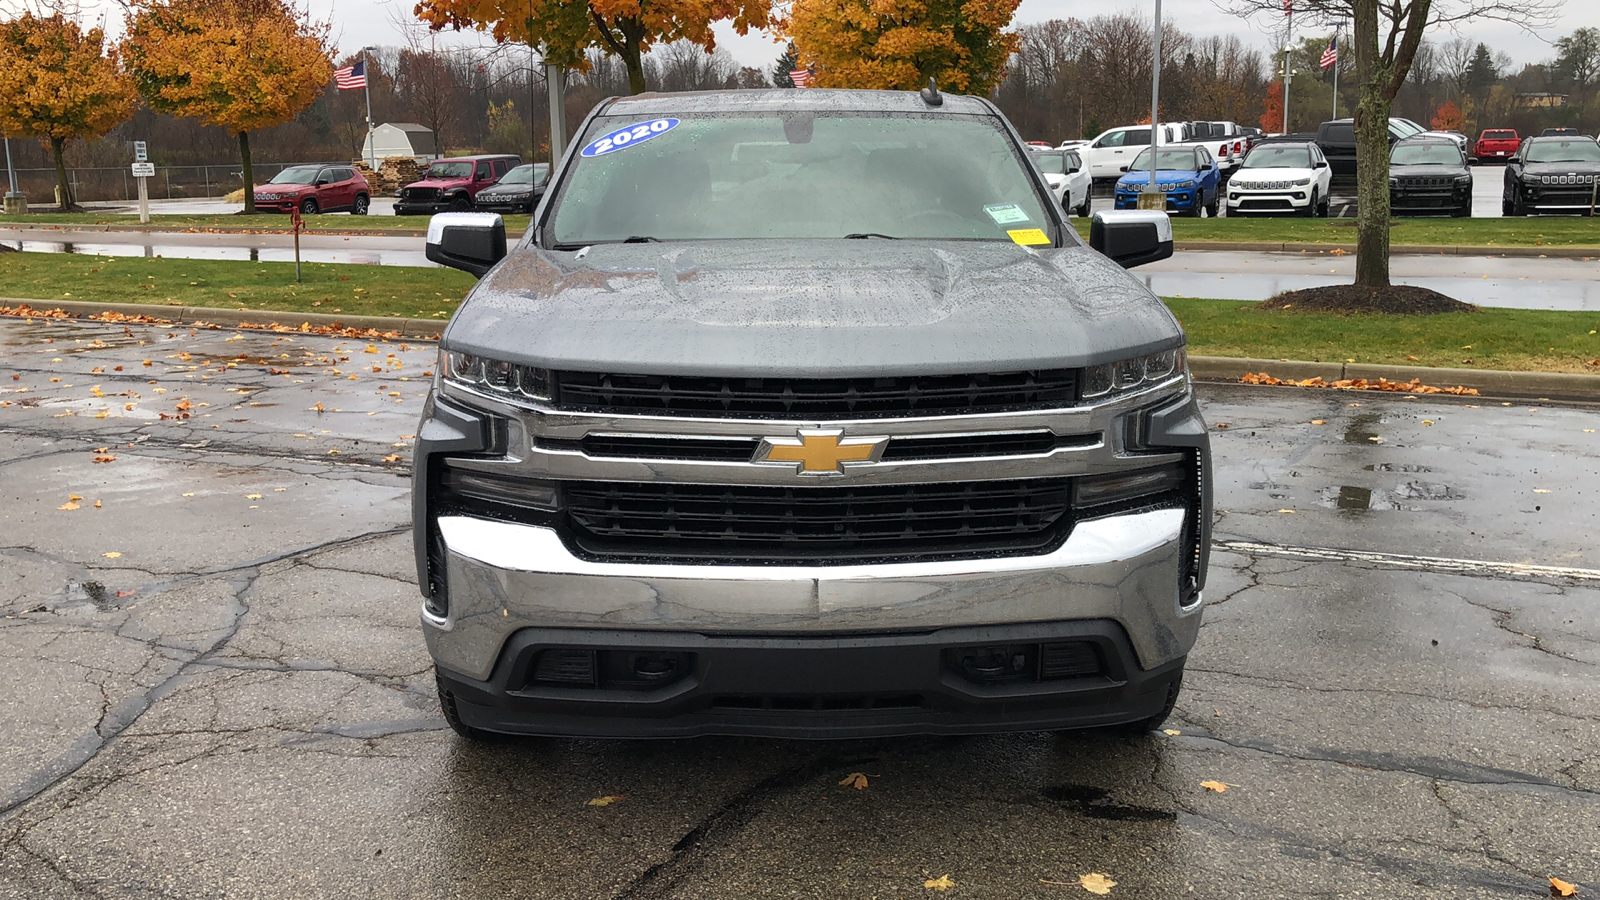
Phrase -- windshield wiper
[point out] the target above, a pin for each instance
(641, 239)
(863, 235)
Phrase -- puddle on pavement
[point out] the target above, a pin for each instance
(1096, 803)
(1359, 499)
(83, 594)
(1396, 467)
(1362, 428)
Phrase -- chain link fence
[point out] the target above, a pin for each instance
(102, 185)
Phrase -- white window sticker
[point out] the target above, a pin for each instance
(623, 138)
(1006, 214)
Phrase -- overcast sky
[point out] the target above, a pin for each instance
(359, 22)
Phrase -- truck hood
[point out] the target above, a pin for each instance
(1428, 171)
(441, 183)
(1561, 168)
(810, 308)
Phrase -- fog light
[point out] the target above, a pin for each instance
(573, 667)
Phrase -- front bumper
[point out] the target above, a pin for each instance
(285, 205)
(421, 207)
(1268, 201)
(1429, 201)
(814, 687)
(484, 204)
(1177, 201)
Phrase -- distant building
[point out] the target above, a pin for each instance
(1540, 100)
(400, 139)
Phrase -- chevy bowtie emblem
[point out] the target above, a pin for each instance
(820, 452)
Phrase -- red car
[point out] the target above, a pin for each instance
(315, 188)
(1496, 143)
(453, 184)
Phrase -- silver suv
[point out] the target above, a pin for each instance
(806, 414)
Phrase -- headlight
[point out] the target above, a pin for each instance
(1463, 179)
(494, 376)
(1129, 376)
(1184, 184)
(1302, 182)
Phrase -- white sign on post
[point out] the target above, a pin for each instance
(141, 171)
(139, 154)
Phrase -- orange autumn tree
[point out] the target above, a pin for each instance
(1272, 115)
(241, 65)
(900, 44)
(60, 83)
(1448, 117)
(626, 29)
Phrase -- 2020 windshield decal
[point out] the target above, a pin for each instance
(623, 138)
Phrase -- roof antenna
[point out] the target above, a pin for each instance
(931, 95)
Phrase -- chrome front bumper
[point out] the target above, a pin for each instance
(504, 577)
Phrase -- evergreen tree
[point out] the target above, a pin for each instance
(785, 64)
(1481, 74)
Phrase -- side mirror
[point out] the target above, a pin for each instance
(1473, 161)
(1132, 237)
(1123, 169)
(471, 242)
(1320, 164)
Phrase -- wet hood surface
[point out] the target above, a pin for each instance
(1428, 170)
(1587, 167)
(442, 183)
(810, 308)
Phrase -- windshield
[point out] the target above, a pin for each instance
(1405, 127)
(1564, 151)
(798, 175)
(297, 175)
(1168, 159)
(534, 173)
(1426, 155)
(1269, 157)
(1050, 163)
(459, 169)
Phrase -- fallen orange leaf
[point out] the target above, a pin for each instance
(942, 883)
(1097, 883)
(856, 780)
(1559, 888)
(1217, 786)
(604, 801)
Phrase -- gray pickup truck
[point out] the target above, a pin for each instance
(807, 414)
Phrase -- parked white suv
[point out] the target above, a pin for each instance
(1281, 176)
(1064, 171)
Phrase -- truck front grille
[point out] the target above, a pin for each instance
(815, 398)
(746, 524)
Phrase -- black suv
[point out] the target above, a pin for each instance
(1556, 174)
(1429, 175)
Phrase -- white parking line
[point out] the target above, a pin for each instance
(1475, 567)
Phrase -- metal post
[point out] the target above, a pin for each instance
(366, 85)
(556, 78)
(11, 171)
(1288, 65)
(1337, 27)
(1152, 197)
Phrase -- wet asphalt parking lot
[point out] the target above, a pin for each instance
(215, 687)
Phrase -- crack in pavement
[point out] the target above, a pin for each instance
(91, 744)
(1445, 565)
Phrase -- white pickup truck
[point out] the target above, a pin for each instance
(1107, 154)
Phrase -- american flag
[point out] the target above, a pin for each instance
(1331, 55)
(800, 77)
(351, 78)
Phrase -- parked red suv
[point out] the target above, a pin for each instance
(452, 183)
(1496, 143)
(314, 188)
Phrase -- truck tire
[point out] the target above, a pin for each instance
(460, 203)
(1311, 207)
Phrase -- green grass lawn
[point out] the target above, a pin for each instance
(1513, 339)
(412, 292)
(1546, 231)
(336, 222)
(1524, 340)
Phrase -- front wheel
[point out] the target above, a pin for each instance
(1083, 208)
(460, 204)
(308, 207)
(1518, 206)
(1214, 208)
(360, 208)
(1311, 207)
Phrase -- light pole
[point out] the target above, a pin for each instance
(1288, 63)
(1153, 197)
(11, 172)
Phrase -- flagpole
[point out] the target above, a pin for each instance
(366, 86)
(1337, 27)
